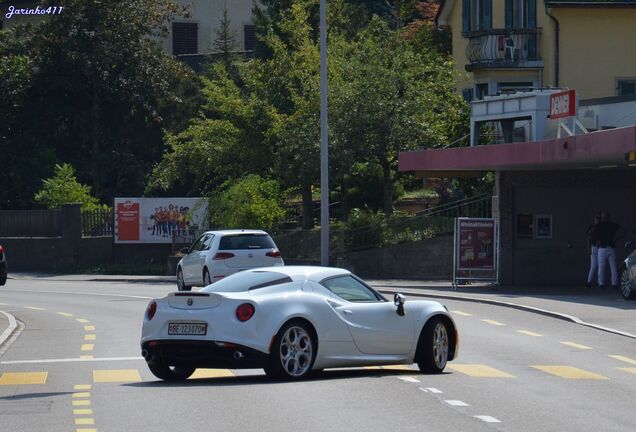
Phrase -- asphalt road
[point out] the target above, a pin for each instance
(75, 366)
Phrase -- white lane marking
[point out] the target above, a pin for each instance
(81, 293)
(487, 419)
(12, 325)
(456, 403)
(434, 390)
(71, 360)
(409, 379)
(423, 389)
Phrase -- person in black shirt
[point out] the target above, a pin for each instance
(592, 250)
(607, 233)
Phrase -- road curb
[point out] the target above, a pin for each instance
(13, 324)
(532, 309)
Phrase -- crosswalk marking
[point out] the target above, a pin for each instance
(493, 322)
(89, 328)
(529, 333)
(628, 370)
(458, 312)
(211, 373)
(569, 372)
(88, 347)
(82, 387)
(83, 411)
(116, 375)
(84, 421)
(82, 320)
(575, 345)
(23, 378)
(79, 395)
(89, 337)
(624, 359)
(479, 370)
(81, 402)
(85, 430)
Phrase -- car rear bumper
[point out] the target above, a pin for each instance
(204, 354)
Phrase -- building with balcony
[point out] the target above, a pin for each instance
(508, 45)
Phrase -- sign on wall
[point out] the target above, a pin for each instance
(563, 104)
(153, 220)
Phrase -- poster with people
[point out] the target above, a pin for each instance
(154, 220)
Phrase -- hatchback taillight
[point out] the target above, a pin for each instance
(223, 255)
(273, 253)
(151, 310)
(245, 311)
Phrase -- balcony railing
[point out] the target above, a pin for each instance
(502, 48)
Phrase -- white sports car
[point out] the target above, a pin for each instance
(290, 321)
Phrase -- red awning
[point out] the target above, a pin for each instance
(601, 149)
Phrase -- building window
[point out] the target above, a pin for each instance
(513, 87)
(481, 90)
(185, 38)
(249, 37)
(521, 14)
(626, 87)
(476, 15)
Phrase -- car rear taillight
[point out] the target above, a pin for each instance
(273, 253)
(223, 255)
(245, 311)
(151, 310)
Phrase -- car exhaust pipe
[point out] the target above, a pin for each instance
(238, 355)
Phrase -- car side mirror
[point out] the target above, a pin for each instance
(185, 250)
(398, 300)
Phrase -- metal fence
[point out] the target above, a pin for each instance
(97, 223)
(30, 223)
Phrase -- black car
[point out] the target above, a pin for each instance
(3, 267)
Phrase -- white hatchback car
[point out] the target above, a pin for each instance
(217, 254)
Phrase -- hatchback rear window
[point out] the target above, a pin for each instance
(246, 241)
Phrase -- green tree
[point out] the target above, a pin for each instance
(249, 202)
(224, 43)
(63, 187)
(100, 95)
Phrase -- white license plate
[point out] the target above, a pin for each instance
(187, 328)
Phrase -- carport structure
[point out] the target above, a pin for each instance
(546, 194)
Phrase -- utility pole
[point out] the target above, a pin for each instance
(324, 140)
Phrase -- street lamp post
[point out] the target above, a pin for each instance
(324, 140)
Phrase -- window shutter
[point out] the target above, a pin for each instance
(509, 14)
(185, 38)
(486, 22)
(532, 13)
(249, 37)
(465, 16)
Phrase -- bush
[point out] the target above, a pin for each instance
(63, 187)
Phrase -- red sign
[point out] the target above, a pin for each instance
(476, 249)
(128, 221)
(563, 104)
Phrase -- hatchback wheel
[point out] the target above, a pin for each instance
(432, 352)
(169, 373)
(293, 352)
(181, 286)
(627, 286)
(207, 280)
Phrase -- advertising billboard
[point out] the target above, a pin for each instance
(475, 247)
(152, 220)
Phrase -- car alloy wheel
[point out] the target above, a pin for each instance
(206, 278)
(433, 347)
(626, 286)
(293, 353)
(181, 286)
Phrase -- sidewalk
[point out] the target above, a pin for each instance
(604, 310)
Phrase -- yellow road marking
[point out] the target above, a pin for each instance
(82, 387)
(624, 359)
(458, 312)
(212, 373)
(89, 337)
(493, 322)
(397, 367)
(570, 372)
(82, 395)
(86, 357)
(84, 421)
(83, 402)
(575, 345)
(88, 347)
(23, 378)
(89, 328)
(34, 308)
(85, 430)
(628, 370)
(116, 375)
(529, 333)
(83, 411)
(65, 314)
(82, 320)
(479, 370)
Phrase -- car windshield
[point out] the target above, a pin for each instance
(246, 241)
(248, 280)
(351, 289)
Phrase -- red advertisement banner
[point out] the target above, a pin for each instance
(128, 221)
(476, 248)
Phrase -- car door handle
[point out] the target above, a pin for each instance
(347, 312)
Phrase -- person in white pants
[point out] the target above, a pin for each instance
(607, 233)
(592, 250)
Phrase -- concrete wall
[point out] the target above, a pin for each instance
(572, 198)
(428, 260)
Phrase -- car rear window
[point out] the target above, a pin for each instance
(247, 281)
(246, 241)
